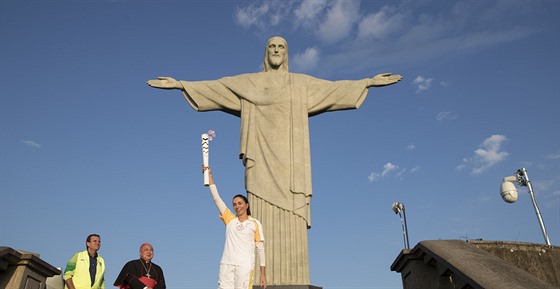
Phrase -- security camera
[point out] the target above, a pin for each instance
(508, 191)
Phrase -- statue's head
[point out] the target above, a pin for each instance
(276, 54)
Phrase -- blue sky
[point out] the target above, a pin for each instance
(86, 146)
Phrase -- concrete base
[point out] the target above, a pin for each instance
(289, 287)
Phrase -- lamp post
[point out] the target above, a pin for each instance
(508, 191)
(398, 208)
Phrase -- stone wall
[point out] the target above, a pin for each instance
(452, 264)
(24, 270)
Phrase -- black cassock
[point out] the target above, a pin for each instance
(137, 274)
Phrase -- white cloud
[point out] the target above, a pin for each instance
(422, 83)
(339, 20)
(251, 15)
(330, 20)
(445, 115)
(31, 143)
(388, 170)
(410, 147)
(401, 172)
(366, 35)
(308, 12)
(381, 24)
(488, 154)
(263, 14)
(307, 60)
(374, 177)
(465, 26)
(554, 156)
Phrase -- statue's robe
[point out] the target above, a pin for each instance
(274, 108)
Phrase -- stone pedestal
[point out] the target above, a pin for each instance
(24, 270)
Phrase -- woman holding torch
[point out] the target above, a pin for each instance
(244, 235)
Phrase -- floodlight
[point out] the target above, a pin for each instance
(508, 191)
(398, 208)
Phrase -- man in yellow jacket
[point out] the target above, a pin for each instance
(86, 269)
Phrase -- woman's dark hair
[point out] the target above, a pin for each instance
(246, 202)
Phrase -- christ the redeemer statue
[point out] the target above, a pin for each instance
(274, 107)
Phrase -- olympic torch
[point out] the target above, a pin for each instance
(206, 138)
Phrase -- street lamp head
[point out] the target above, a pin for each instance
(398, 207)
(508, 191)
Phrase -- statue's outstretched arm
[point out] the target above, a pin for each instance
(165, 83)
(384, 79)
